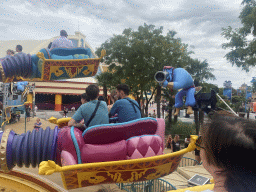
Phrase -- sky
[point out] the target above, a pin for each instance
(198, 23)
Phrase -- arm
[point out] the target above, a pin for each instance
(113, 110)
(76, 119)
(72, 122)
(53, 45)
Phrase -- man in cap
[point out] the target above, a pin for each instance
(62, 41)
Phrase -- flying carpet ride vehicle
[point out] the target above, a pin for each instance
(57, 64)
(94, 156)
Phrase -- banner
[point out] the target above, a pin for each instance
(227, 92)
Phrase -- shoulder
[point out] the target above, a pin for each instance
(103, 103)
(120, 101)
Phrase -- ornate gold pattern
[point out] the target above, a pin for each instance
(2, 72)
(72, 68)
(3, 147)
(82, 175)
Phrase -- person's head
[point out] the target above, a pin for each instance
(176, 137)
(63, 33)
(113, 95)
(84, 98)
(170, 137)
(38, 120)
(154, 111)
(122, 91)
(50, 44)
(18, 48)
(92, 92)
(10, 52)
(228, 145)
(101, 98)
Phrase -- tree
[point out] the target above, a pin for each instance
(243, 50)
(200, 71)
(106, 80)
(140, 54)
(253, 81)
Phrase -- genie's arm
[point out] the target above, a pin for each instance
(182, 79)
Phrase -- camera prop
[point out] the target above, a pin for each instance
(178, 78)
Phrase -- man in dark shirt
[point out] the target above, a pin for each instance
(175, 144)
(126, 108)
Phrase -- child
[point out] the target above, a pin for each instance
(38, 124)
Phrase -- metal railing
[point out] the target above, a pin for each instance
(156, 185)
(185, 161)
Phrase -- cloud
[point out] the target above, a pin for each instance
(198, 23)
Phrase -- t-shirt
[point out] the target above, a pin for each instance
(85, 111)
(176, 146)
(37, 125)
(125, 110)
(62, 42)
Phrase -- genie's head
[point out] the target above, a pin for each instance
(169, 71)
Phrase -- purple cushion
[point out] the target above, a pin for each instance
(108, 152)
(120, 131)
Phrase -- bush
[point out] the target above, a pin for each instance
(180, 128)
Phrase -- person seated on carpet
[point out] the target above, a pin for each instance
(126, 108)
(9, 53)
(62, 41)
(227, 147)
(94, 112)
(19, 49)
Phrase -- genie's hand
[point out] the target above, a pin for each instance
(165, 83)
(170, 85)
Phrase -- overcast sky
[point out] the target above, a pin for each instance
(197, 22)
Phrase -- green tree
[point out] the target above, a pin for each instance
(199, 70)
(140, 54)
(243, 50)
(254, 87)
(106, 80)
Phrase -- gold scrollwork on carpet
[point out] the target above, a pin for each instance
(91, 177)
(117, 175)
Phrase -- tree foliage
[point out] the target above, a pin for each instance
(243, 49)
(135, 56)
(200, 70)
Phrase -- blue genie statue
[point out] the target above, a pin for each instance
(59, 63)
(178, 79)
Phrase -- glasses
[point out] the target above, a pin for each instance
(199, 142)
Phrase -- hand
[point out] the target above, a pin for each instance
(165, 83)
(170, 85)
